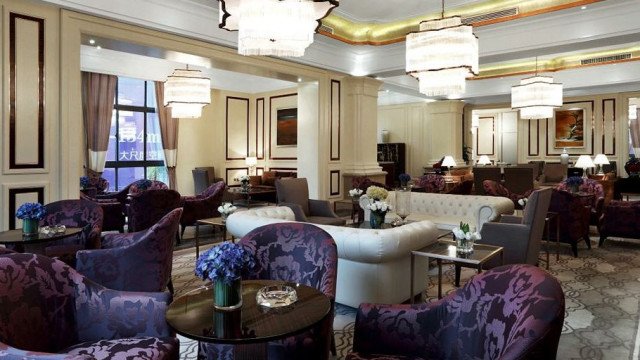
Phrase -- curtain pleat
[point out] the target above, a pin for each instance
(98, 97)
(169, 133)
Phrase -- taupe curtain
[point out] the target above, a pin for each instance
(98, 97)
(634, 131)
(169, 133)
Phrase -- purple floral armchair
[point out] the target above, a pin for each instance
(50, 311)
(510, 312)
(430, 183)
(574, 219)
(593, 187)
(73, 213)
(300, 253)
(139, 186)
(494, 188)
(146, 208)
(620, 218)
(139, 261)
(113, 215)
(202, 206)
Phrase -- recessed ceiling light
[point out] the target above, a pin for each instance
(584, 7)
(387, 90)
(91, 41)
(98, 47)
(299, 79)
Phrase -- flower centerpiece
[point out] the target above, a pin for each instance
(244, 182)
(225, 210)
(224, 265)
(465, 238)
(404, 179)
(30, 214)
(377, 205)
(84, 182)
(355, 193)
(523, 202)
(574, 182)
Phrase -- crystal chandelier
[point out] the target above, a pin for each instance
(442, 55)
(274, 27)
(186, 92)
(536, 96)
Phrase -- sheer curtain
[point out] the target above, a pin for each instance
(634, 131)
(169, 133)
(98, 97)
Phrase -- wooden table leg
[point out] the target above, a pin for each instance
(197, 239)
(439, 278)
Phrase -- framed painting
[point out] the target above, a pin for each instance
(287, 127)
(571, 128)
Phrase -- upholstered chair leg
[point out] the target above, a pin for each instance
(574, 248)
(457, 283)
(602, 239)
(333, 344)
(170, 287)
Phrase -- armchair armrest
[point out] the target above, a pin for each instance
(514, 238)
(321, 208)
(110, 241)
(394, 329)
(510, 219)
(297, 211)
(103, 313)
(9, 352)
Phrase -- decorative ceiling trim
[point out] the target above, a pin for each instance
(379, 34)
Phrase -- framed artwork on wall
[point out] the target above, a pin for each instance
(287, 127)
(569, 129)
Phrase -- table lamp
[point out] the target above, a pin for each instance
(584, 162)
(601, 159)
(251, 162)
(449, 163)
(484, 160)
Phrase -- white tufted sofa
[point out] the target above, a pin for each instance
(447, 210)
(373, 265)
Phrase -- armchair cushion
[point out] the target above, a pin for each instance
(294, 191)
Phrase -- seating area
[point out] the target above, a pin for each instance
(331, 180)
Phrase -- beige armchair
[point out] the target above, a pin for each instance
(294, 193)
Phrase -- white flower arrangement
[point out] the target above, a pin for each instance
(377, 193)
(227, 209)
(379, 206)
(355, 192)
(243, 178)
(463, 232)
(523, 202)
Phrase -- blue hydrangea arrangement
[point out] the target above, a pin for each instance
(30, 211)
(84, 182)
(224, 263)
(574, 181)
(404, 178)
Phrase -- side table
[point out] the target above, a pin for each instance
(446, 250)
(215, 222)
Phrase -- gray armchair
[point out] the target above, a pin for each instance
(553, 174)
(294, 193)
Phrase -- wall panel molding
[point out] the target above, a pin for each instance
(13, 206)
(234, 172)
(609, 127)
(260, 128)
(237, 126)
(335, 109)
(481, 134)
(26, 102)
(334, 182)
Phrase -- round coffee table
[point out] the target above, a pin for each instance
(15, 237)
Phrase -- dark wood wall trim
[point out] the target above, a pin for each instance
(592, 125)
(227, 127)
(613, 126)
(13, 164)
(260, 154)
(271, 157)
(493, 137)
(537, 138)
(283, 169)
(335, 123)
(227, 170)
(12, 201)
(334, 191)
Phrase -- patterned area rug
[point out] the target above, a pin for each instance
(602, 290)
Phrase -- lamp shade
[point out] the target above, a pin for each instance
(584, 161)
(442, 55)
(251, 161)
(448, 161)
(274, 27)
(536, 97)
(484, 160)
(601, 159)
(186, 92)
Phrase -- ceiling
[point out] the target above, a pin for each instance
(566, 35)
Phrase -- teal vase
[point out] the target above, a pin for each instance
(376, 219)
(227, 297)
(30, 226)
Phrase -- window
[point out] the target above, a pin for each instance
(135, 144)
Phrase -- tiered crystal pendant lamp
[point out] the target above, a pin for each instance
(442, 55)
(186, 92)
(536, 96)
(274, 27)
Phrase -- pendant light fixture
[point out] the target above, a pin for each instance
(186, 92)
(536, 96)
(442, 55)
(274, 27)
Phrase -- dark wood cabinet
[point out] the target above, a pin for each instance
(392, 158)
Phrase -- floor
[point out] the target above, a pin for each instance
(602, 290)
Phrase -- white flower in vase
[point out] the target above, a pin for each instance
(355, 193)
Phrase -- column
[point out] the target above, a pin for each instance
(445, 132)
